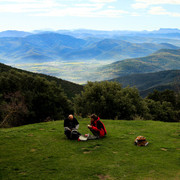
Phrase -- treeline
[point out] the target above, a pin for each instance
(27, 99)
(110, 101)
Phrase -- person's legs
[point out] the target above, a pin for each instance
(75, 134)
(94, 136)
(67, 133)
(96, 133)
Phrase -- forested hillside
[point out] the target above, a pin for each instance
(70, 89)
(27, 98)
(161, 60)
(147, 82)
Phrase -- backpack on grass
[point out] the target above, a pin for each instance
(140, 141)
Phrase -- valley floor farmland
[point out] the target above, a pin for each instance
(75, 71)
(41, 151)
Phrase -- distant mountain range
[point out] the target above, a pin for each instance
(45, 47)
(163, 35)
(164, 59)
(89, 32)
(145, 59)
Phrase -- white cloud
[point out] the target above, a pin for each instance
(28, 6)
(84, 12)
(28, 1)
(17, 1)
(158, 11)
(111, 7)
(102, 1)
(161, 11)
(135, 14)
(146, 3)
(111, 13)
(15, 8)
(139, 5)
(97, 6)
(60, 8)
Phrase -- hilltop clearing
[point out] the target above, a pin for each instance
(41, 151)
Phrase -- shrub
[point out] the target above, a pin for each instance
(162, 111)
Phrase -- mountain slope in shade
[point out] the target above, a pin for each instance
(147, 82)
(69, 88)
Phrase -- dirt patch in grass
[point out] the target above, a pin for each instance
(87, 152)
(105, 177)
(163, 149)
(97, 146)
(115, 152)
(33, 150)
(23, 173)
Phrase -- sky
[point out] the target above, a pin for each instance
(135, 15)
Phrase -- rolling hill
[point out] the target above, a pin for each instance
(69, 88)
(14, 33)
(164, 59)
(147, 82)
(37, 48)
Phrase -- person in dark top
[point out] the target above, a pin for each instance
(71, 126)
(97, 128)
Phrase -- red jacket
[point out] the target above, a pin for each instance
(97, 125)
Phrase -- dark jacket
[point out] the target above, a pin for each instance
(71, 123)
(98, 126)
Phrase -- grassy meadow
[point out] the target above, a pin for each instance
(41, 151)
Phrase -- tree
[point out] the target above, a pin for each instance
(14, 110)
(109, 100)
(166, 95)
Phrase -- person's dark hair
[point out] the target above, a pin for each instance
(93, 116)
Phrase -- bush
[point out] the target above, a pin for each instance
(162, 111)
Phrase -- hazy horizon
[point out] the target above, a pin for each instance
(91, 30)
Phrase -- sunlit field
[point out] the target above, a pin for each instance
(74, 71)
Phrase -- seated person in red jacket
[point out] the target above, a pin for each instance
(71, 126)
(97, 128)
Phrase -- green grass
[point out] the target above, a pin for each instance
(41, 151)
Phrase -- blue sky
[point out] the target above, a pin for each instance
(138, 15)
